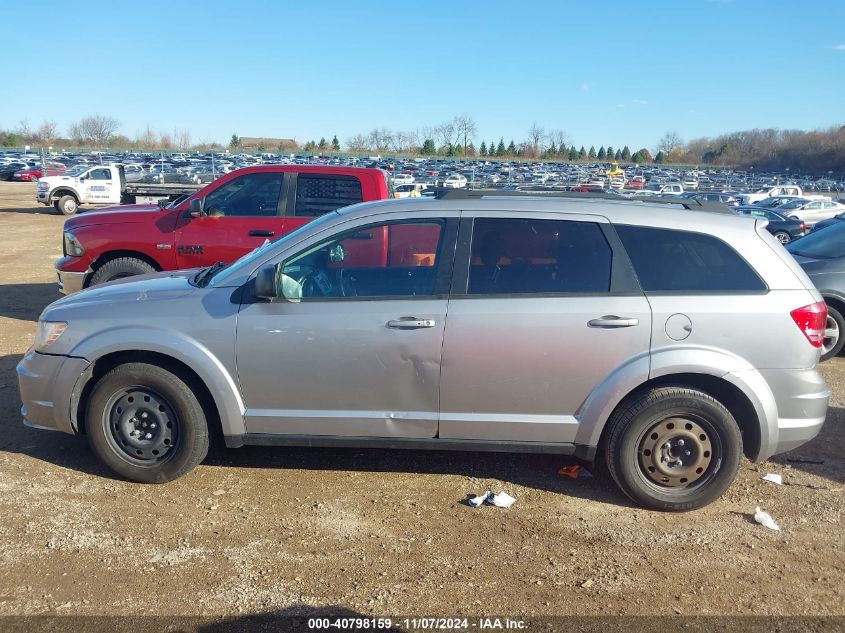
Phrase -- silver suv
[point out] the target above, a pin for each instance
(665, 342)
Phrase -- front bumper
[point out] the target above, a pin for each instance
(70, 282)
(46, 385)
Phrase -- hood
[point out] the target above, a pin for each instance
(140, 288)
(116, 215)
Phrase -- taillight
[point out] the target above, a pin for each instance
(811, 320)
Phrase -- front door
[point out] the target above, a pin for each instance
(359, 353)
(542, 312)
(240, 215)
(99, 187)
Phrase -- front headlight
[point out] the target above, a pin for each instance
(72, 245)
(48, 332)
(43, 185)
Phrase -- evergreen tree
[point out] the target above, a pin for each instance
(618, 155)
(573, 153)
(323, 144)
(551, 151)
(491, 149)
(592, 154)
(626, 153)
(511, 151)
(660, 158)
(609, 153)
(642, 156)
(335, 143)
(500, 148)
(234, 142)
(482, 151)
(471, 151)
(582, 153)
(428, 148)
(602, 153)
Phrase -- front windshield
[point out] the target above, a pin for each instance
(251, 258)
(828, 243)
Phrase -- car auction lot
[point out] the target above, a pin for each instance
(257, 530)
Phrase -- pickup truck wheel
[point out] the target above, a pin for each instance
(67, 205)
(145, 423)
(673, 449)
(119, 268)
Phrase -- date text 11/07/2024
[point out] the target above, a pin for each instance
(416, 624)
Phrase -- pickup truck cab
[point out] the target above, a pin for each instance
(221, 222)
(772, 192)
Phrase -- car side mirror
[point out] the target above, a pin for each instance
(265, 282)
(196, 208)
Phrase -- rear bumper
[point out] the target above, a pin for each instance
(46, 385)
(801, 398)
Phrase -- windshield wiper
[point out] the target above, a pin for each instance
(203, 276)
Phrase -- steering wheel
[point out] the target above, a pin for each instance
(346, 283)
(315, 283)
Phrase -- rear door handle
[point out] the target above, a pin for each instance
(410, 323)
(260, 233)
(611, 321)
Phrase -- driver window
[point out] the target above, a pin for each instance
(100, 174)
(397, 259)
(250, 195)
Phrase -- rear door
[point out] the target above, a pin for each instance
(542, 310)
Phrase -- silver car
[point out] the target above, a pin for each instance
(666, 343)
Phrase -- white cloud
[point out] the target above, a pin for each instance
(620, 105)
(838, 47)
(585, 87)
(639, 101)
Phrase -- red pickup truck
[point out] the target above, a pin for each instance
(221, 222)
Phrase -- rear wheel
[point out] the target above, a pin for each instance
(146, 423)
(834, 328)
(673, 449)
(67, 205)
(783, 237)
(120, 268)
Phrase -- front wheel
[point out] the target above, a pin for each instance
(120, 268)
(146, 423)
(67, 205)
(673, 449)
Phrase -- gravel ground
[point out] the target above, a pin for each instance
(256, 530)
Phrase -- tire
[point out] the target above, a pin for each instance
(834, 334)
(120, 268)
(783, 237)
(67, 205)
(137, 400)
(661, 417)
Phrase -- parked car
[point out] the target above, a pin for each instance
(606, 321)
(455, 181)
(9, 169)
(811, 211)
(33, 173)
(783, 228)
(836, 219)
(231, 216)
(822, 256)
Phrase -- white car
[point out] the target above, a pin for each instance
(690, 183)
(455, 181)
(403, 179)
(811, 211)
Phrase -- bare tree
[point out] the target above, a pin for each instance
(670, 142)
(183, 138)
(96, 130)
(559, 138)
(535, 139)
(445, 134)
(47, 132)
(147, 139)
(465, 128)
(380, 140)
(357, 143)
(23, 129)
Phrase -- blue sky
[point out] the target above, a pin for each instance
(603, 72)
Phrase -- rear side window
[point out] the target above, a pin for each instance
(681, 261)
(317, 194)
(516, 256)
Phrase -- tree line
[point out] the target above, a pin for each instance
(799, 152)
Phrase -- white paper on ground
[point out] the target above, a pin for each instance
(477, 501)
(502, 500)
(774, 478)
(765, 519)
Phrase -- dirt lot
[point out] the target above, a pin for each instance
(376, 532)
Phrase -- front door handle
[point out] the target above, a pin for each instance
(611, 321)
(410, 323)
(260, 233)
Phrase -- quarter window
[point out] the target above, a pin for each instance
(397, 259)
(516, 256)
(318, 194)
(681, 261)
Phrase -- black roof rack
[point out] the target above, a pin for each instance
(474, 194)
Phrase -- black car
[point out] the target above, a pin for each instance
(783, 228)
(6, 171)
(822, 256)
